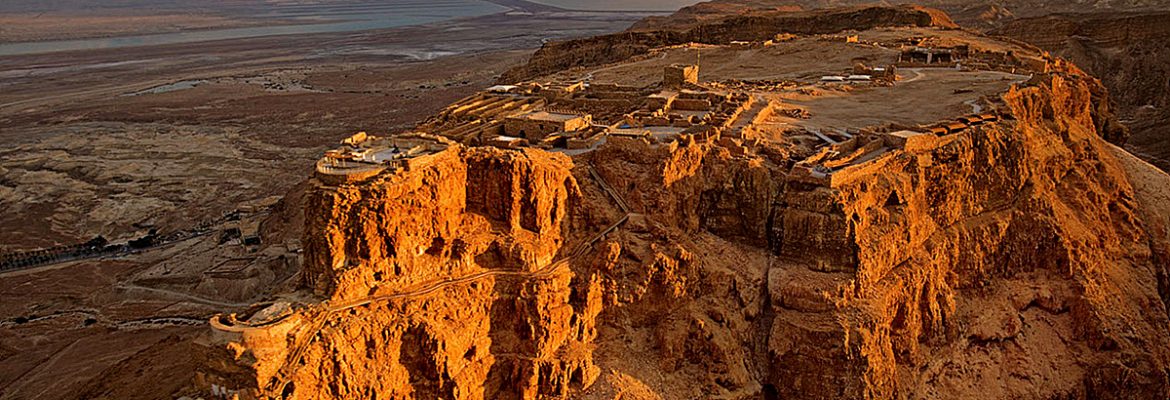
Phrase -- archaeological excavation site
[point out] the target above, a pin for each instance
(867, 202)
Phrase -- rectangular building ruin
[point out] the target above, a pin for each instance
(678, 75)
(538, 124)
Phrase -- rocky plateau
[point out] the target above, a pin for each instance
(1022, 256)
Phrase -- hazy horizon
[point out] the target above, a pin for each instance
(621, 5)
(89, 6)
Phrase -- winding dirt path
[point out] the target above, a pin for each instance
(184, 296)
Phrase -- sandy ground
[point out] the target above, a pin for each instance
(924, 95)
(928, 99)
(25, 27)
(74, 325)
(84, 158)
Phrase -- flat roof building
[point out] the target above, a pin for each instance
(538, 124)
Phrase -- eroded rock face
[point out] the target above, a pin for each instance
(1128, 51)
(1037, 202)
(422, 224)
(510, 332)
(695, 187)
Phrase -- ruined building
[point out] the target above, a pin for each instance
(678, 75)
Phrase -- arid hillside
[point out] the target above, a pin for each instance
(978, 14)
(208, 146)
(759, 26)
(1130, 53)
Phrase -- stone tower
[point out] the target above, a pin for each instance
(677, 75)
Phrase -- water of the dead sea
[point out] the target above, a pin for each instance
(619, 5)
(352, 18)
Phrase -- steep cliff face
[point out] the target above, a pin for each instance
(694, 187)
(1017, 240)
(924, 273)
(494, 338)
(439, 283)
(422, 224)
(756, 26)
(1129, 52)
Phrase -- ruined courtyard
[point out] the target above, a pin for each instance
(780, 98)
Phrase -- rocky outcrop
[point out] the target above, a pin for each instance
(1031, 216)
(694, 187)
(925, 273)
(439, 283)
(399, 229)
(1013, 259)
(1129, 52)
(760, 26)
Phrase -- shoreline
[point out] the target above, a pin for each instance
(280, 27)
(514, 9)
